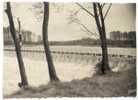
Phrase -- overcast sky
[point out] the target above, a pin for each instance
(121, 17)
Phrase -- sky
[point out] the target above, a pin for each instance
(121, 17)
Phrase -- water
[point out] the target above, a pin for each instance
(83, 49)
(68, 66)
(37, 72)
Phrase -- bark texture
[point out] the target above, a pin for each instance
(24, 81)
(51, 68)
(104, 66)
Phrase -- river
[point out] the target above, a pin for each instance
(68, 67)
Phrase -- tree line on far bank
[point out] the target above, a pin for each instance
(94, 42)
(117, 39)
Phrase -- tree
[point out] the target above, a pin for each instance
(101, 29)
(24, 81)
(99, 19)
(51, 68)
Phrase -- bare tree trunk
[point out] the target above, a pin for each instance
(51, 68)
(24, 81)
(101, 29)
(104, 41)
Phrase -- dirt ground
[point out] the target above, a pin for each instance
(114, 84)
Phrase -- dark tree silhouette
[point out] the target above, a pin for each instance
(99, 19)
(51, 68)
(24, 81)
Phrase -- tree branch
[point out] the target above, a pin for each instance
(85, 9)
(76, 12)
(107, 11)
(102, 6)
(88, 31)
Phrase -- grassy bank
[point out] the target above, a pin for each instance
(111, 85)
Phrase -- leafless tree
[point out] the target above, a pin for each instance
(24, 82)
(51, 68)
(101, 29)
(99, 19)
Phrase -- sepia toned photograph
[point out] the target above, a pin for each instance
(69, 49)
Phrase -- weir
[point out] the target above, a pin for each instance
(71, 57)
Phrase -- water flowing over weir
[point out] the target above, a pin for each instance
(74, 57)
(71, 62)
(74, 54)
(60, 57)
